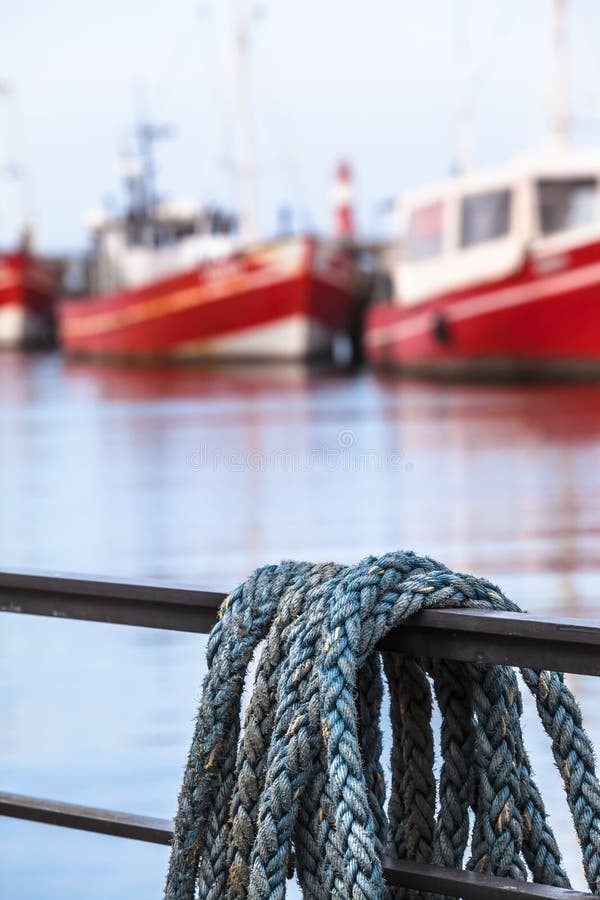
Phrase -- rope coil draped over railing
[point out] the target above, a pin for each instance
(304, 779)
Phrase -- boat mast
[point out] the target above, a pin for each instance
(559, 114)
(465, 135)
(4, 93)
(245, 161)
(464, 150)
(16, 171)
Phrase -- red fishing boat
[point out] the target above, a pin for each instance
(171, 280)
(176, 281)
(28, 287)
(285, 300)
(499, 272)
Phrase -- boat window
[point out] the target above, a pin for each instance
(567, 203)
(484, 217)
(424, 236)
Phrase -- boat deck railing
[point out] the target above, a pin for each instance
(570, 645)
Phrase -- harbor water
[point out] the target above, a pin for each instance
(199, 475)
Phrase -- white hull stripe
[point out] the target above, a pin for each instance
(493, 301)
(13, 324)
(296, 337)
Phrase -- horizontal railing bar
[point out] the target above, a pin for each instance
(479, 636)
(87, 818)
(489, 637)
(470, 885)
(160, 831)
(146, 603)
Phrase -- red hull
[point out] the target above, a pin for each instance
(28, 288)
(281, 301)
(544, 317)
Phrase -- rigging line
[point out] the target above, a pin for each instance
(582, 27)
(182, 52)
(482, 69)
(279, 128)
(18, 159)
(159, 81)
(220, 159)
(215, 76)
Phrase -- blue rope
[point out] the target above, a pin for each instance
(303, 780)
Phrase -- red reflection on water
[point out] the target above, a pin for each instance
(157, 382)
(202, 473)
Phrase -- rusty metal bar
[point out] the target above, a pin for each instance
(468, 885)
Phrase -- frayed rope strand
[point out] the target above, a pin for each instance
(302, 781)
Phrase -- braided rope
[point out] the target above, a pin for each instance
(304, 778)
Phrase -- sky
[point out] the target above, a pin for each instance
(379, 83)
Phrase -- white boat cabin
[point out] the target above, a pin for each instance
(134, 250)
(480, 227)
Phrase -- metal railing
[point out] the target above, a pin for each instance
(571, 645)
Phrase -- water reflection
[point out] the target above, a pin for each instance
(200, 475)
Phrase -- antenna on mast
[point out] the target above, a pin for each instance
(559, 115)
(246, 169)
(139, 168)
(148, 133)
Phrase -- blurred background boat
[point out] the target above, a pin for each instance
(170, 280)
(498, 272)
(167, 288)
(28, 289)
(29, 282)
